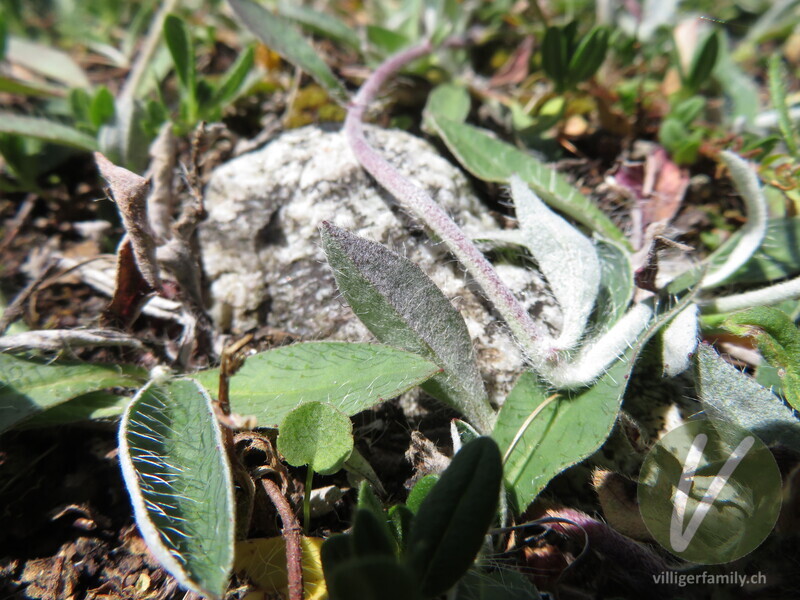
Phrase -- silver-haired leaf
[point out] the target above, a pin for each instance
(565, 256)
(680, 341)
(404, 308)
(752, 234)
(176, 470)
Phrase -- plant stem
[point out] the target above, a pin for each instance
(788, 290)
(420, 204)
(307, 500)
(291, 535)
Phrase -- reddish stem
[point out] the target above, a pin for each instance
(291, 532)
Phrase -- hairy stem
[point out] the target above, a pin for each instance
(787, 290)
(419, 203)
(291, 535)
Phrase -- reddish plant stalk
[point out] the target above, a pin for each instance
(420, 204)
(291, 532)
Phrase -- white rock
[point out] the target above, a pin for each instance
(262, 253)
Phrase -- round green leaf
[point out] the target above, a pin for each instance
(317, 435)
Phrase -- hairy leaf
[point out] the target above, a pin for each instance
(778, 341)
(317, 435)
(177, 474)
(280, 35)
(729, 395)
(565, 256)
(680, 341)
(563, 433)
(447, 100)
(29, 387)
(351, 376)
(46, 60)
(451, 522)
(320, 23)
(47, 131)
(404, 308)
(752, 234)
(493, 160)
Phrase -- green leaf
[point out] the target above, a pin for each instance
(778, 340)
(503, 584)
(47, 61)
(101, 110)
(400, 518)
(588, 56)
(490, 159)
(45, 130)
(555, 56)
(729, 395)
(371, 535)
(386, 41)
(29, 387)
(451, 523)
(179, 43)
(566, 431)
(176, 470)
(419, 491)
(232, 82)
(95, 406)
(320, 23)
(616, 283)
(279, 34)
(703, 62)
(448, 100)
(404, 308)
(351, 376)
(688, 110)
(317, 435)
(777, 92)
(371, 578)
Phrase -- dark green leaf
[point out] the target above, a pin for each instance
(336, 551)
(588, 56)
(372, 536)
(703, 62)
(451, 523)
(280, 35)
(371, 578)
(176, 470)
(404, 308)
(45, 130)
(29, 387)
(554, 56)
(616, 283)
(351, 376)
(505, 584)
